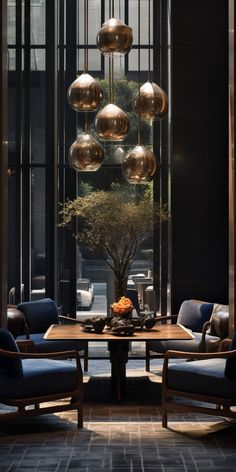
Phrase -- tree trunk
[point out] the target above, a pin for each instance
(120, 287)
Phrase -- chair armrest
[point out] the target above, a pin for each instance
(199, 355)
(167, 317)
(41, 355)
(206, 326)
(224, 345)
(68, 318)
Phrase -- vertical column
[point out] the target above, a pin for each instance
(18, 137)
(51, 149)
(70, 137)
(161, 138)
(232, 195)
(26, 158)
(3, 163)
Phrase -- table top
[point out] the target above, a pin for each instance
(159, 332)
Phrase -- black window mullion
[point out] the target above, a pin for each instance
(18, 140)
(69, 252)
(26, 158)
(3, 164)
(51, 150)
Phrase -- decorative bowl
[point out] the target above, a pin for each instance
(94, 324)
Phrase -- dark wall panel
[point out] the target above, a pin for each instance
(199, 150)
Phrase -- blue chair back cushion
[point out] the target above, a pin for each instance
(193, 314)
(39, 314)
(230, 365)
(9, 365)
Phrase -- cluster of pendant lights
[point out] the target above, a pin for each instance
(111, 123)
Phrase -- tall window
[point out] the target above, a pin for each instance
(40, 178)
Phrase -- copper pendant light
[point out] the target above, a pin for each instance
(85, 93)
(86, 154)
(151, 102)
(140, 164)
(111, 123)
(114, 37)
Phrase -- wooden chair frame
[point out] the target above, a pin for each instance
(149, 354)
(74, 398)
(222, 406)
(63, 319)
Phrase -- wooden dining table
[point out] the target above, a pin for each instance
(118, 346)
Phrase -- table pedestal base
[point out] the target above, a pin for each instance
(118, 358)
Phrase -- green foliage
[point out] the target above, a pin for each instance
(111, 225)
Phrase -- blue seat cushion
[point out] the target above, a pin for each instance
(188, 345)
(205, 377)
(9, 365)
(39, 314)
(230, 366)
(40, 377)
(193, 314)
(45, 345)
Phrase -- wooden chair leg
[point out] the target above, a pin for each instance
(86, 359)
(164, 417)
(147, 358)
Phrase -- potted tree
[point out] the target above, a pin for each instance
(112, 226)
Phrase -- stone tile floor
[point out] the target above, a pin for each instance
(125, 437)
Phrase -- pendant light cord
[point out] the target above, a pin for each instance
(111, 60)
(149, 39)
(85, 36)
(85, 55)
(139, 134)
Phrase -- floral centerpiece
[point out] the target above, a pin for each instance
(123, 307)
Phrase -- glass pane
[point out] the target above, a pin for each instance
(13, 232)
(11, 56)
(94, 21)
(11, 22)
(38, 233)
(133, 60)
(133, 20)
(94, 60)
(37, 22)
(37, 117)
(37, 59)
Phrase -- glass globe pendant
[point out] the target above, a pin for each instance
(139, 166)
(114, 37)
(85, 93)
(111, 123)
(151, 101)
(86, 154)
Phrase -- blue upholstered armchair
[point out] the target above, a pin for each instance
(31, 379)
(209, 382)
(39, 315)
(194, 315)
